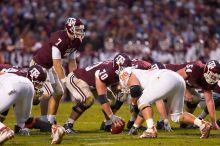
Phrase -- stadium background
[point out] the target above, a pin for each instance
(168, 31)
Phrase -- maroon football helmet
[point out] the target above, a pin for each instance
(75, 27)
(157, 66)
(212, 72)
(122, 60)
(37, 75)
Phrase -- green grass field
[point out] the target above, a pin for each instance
(89, 124)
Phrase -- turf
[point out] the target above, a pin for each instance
(89, 124)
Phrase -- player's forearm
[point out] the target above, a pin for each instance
(161, 109)
(60, 72)
(107, 109)
(211, 108)
(210, 105)
(72, 65)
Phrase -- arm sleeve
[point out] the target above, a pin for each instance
(56, 54)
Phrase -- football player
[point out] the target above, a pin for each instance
(99, 76)
(146, 87)
(199, 76)
(60, 45)
(17, 88)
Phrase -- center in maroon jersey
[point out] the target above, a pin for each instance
(105, 72)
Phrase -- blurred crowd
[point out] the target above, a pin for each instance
(168, 31)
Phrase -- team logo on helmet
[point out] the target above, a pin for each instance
(34, 73)
(119, 60)
(212, 72)
(122, 60)
(71, 21)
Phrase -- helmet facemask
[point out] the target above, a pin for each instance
(211, 73)
(211, 77)
(77, 32)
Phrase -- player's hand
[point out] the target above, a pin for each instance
(116, 120)
(167, 126)
(37, 95)
(24, 132)
(215, 126)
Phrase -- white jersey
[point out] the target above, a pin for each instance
(157, 84)
(144, 76)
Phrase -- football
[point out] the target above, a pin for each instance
(115, 129)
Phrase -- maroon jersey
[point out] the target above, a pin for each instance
(12, 69)
(175, 67)
(195, 71)
(141, 64)
(103, 70)
(60, 40)
(217, 89)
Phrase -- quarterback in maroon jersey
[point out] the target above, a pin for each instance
(60, 45)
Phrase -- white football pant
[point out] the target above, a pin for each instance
(79, 89)
(164, 85)
(18, 91)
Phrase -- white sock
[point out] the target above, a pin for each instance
(135, 125)
(150, 123)
(51, 118)
(44, 118)
(70, 120)
(197, 122)
(1, 125)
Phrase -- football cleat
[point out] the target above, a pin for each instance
(57, 134)
(205, 129)
(133, 131)
(21, 131)
(160, 124)
(69, 128)
(5, 134)
(149, 133)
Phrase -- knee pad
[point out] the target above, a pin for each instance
(80, 108)
(175, 117)
(89, 101)
(191, 105)
(136, 91)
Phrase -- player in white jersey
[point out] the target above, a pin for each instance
(148, 86)
(18, 88)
